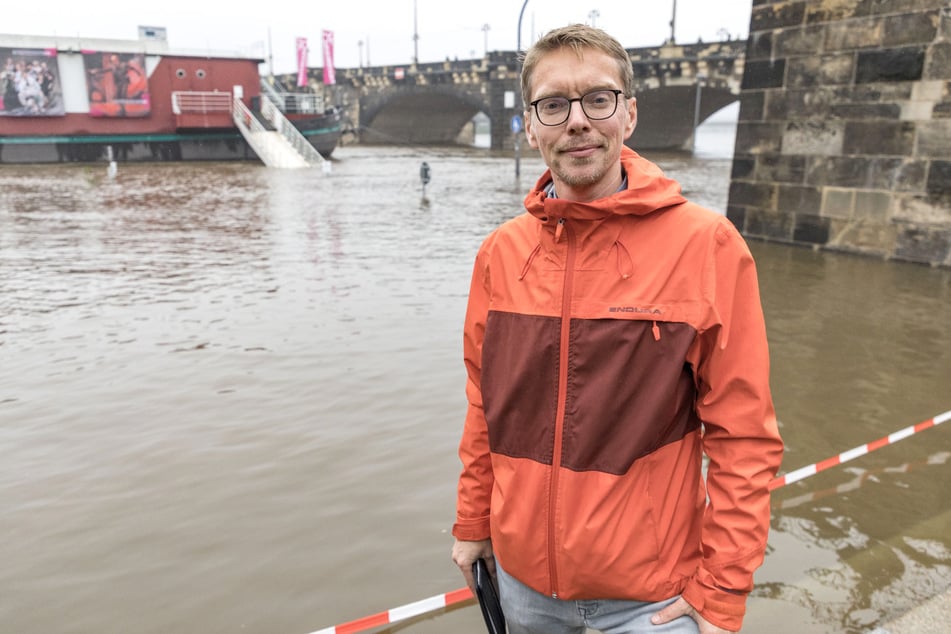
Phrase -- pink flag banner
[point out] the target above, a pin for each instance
(301, 62)
(330, 75)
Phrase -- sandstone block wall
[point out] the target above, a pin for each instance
(844, 137)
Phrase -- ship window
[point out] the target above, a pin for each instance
(200, 73)
(180, 73)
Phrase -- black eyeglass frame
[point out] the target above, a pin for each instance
(617, 93)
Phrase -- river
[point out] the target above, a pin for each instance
(230, 398)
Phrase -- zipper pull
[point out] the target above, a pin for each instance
(656, 330)
(559, 228)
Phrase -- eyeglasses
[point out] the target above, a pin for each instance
(596, 105)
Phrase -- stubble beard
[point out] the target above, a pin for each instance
(578, 172)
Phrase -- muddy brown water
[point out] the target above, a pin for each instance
(230, 399)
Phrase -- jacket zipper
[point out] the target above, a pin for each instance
(562, 395)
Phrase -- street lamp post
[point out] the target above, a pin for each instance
(594, 14)
(415, 36)
(485, 33)
(518, 49)
(518, 53)
(360, 47)
(673, 22)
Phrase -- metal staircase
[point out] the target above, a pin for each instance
(282, 147)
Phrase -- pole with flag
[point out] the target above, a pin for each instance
(301, 62)
(330, 76)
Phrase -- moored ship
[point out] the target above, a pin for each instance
(79, 99)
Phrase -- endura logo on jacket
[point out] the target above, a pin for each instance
(635, 309)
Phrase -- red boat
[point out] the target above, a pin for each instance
(73, 99)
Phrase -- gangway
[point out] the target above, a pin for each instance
(282, 147)
(275, 140)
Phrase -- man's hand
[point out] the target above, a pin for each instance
(464, 554)
(679, 608)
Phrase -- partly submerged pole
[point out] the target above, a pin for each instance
(424, 175)
(113, 168)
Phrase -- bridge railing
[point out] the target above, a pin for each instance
(671, 60)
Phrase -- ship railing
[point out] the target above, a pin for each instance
(293, 102)
(291, 134)
(302, 102)
(200, 102)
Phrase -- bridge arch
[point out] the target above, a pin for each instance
(418, 115)
(665, 117)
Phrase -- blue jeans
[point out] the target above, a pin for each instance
(530, 612)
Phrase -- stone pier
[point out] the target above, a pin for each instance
(844, 138)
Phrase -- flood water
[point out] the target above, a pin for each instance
(230, 399)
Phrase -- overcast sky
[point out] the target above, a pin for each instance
(384, 27)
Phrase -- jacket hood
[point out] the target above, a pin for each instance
(648, 190)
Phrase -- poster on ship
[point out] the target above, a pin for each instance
(117, 84)
(29, 83)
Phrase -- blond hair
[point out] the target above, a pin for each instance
(577, 37)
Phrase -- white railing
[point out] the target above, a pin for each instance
(270, 92)
(302, 102)
(272, 149)
(244, 118)
(293, 102)
(200, 102)
(291, 134)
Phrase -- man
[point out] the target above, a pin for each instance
(613, 335)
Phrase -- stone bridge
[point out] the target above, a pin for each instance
(434, 103)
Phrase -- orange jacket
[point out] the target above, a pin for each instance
(608, 345)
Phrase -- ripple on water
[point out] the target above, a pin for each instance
(230, 398)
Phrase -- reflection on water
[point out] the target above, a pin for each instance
(230, 399)
(860, 349)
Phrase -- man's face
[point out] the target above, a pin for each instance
(582, 154)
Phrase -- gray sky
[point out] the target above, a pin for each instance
(384, 27)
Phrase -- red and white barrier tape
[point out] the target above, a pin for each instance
(861, 450)
(407, 611)
(859, 480)
(441, 601)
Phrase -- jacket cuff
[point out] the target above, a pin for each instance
(471, 530)
(720, 607)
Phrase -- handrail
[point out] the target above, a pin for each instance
(253, 132)
(302, 102)
(295, 102)
(291, 133)
(244, 118)
(270, 92)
